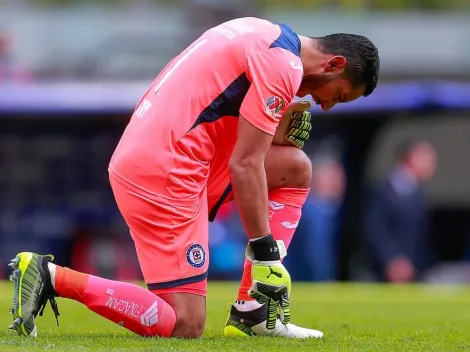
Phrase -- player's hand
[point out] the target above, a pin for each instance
(271, 281)
(299, 128)
(294, 126)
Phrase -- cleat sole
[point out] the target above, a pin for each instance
(15, 310)
(14, 263)
(16, 325)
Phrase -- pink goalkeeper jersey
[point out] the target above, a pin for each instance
(184, 128)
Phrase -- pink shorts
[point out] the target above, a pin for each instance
(171, 241)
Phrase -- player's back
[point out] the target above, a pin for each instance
(188, 116)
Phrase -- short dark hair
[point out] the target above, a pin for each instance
(363, 64)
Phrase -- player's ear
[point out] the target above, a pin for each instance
(336, 64)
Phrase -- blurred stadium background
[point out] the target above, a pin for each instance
(71, 73)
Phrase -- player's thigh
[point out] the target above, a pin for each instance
(171, 241)
(190, 313)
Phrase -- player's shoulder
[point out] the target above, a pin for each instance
(285, 61)
(284, 48)
(284, 64)
(287, 41)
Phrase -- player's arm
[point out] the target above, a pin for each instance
(273, 85)
(248, 177)
(250, 189)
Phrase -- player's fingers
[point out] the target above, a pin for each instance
(301, 117)
(285, 308)
(302, 134)
(272, 314)
(255, 293)
(297, 142)
(299, 105)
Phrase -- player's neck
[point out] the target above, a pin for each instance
(310, 55)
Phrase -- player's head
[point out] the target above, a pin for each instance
(341, 68)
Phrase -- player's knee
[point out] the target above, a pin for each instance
(301, 169)
(288, 167)
(188, 326)
(190, 312)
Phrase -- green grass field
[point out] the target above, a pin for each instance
(353, 317)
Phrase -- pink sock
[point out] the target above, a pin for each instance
(285, 210)
(128, 305)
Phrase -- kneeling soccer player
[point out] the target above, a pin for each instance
(202, 134)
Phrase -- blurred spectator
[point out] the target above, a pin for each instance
(10, 70)
(315, 240)
(227, 242)
(396, 218)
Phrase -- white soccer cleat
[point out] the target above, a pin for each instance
(253, 323)
(288, 330)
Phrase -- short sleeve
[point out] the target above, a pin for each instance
(275, 76)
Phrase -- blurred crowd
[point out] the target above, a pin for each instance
(10, 69)
(88, 40)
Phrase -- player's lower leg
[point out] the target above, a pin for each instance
(248, 317)
(37, 281)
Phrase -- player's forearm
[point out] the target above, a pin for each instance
(251, 195)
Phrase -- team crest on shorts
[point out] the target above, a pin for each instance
(274, 104)
(196, 256)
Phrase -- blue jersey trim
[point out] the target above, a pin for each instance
(215, 209)
(288, 40)
(179, 282)
(228, 102)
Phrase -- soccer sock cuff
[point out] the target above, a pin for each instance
(68, 283)
(52, 268)
(294, 197)
(246, 306)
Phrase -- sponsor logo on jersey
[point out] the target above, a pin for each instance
(274, 104)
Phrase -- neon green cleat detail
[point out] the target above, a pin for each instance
(253, 323)
(32, 290)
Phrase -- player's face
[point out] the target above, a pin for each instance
(327, 90)
(327, 84)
